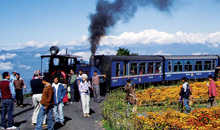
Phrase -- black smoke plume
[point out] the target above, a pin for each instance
(109, 13)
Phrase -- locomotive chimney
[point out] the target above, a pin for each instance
(92, 60)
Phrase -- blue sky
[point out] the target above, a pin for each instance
(67, 20)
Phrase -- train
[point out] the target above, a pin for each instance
(140, 69)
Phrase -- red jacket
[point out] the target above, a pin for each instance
(212, 89)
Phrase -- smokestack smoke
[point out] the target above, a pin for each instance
(108, 14)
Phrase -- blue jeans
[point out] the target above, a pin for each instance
(41, 115)
(7, 108)
(58, 113)
(185, 103)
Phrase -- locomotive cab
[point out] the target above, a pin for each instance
(59, 65)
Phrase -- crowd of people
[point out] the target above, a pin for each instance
(49, 97)
(11, 93)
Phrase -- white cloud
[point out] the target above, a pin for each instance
(157, 37)
(197, 53)
(106, 52)
(86, 55)
(161, 53)
(83, 41)
(7, 56)
(21, 66)
(24, 66)
(37, 55)
(28, 67)
(62, 52)
(6, 66)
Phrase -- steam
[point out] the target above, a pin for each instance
(109, 13)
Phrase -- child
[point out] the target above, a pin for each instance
(85, 94)
(59, 94)
(46, 107)
(185, 93)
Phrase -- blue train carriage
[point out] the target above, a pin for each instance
(140, 69)
(190, 66)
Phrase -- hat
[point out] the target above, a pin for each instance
(13, 71)
(84, 76)
(129, 80)
(36, 73)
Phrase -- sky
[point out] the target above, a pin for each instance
(190, 26)
(68, 20)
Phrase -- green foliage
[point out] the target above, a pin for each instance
(125, 52)
(26, 95)
(113, 111)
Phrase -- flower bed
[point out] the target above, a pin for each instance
(171, 94)
(201, 119)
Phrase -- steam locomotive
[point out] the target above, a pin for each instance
(140, 69)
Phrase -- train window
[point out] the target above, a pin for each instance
(178, 66)
(70, 62)
(150, 67)
(207, 65)
(158, 67)
(142, 68)
(198, 65)
(56, 61)
(169, 66)
(188, 65)
(125, 69)
(213, 64)
(117, 69)
(133, 68)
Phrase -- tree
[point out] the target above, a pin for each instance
(125, 52)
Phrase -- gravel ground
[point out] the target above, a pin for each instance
(74, 119)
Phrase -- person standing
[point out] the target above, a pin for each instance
(85, 94)
(185, 93)
(95, 86)
(46, 108)
(13, 76)
(19, 85)
(37, 90)
(79, 77)
(72, 84)
(59, 94)
(212, 92)
(130, 96)
(8, 99)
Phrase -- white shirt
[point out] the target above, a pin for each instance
(185, 86)
(56, 86)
